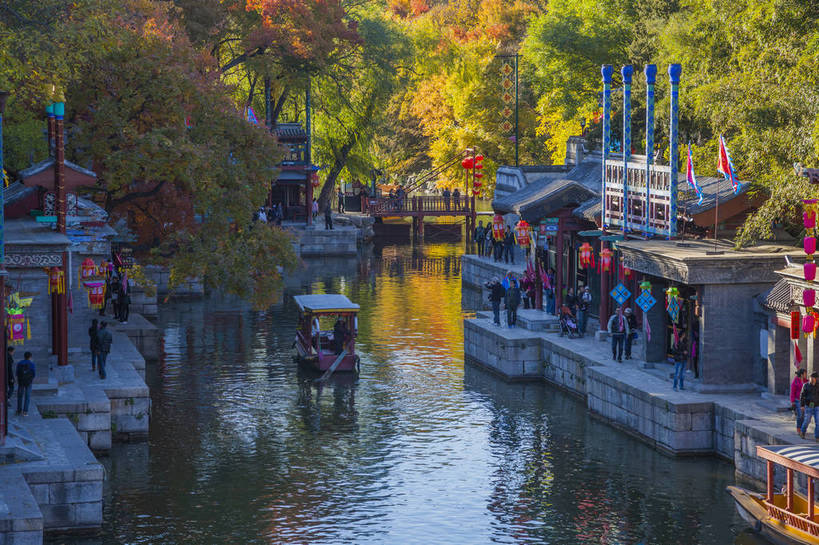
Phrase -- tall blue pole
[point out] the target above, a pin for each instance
(606, 72)
(674, 71)
(651, 78)
(626, 72)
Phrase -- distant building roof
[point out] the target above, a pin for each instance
(42, 174)
(290, 132)
(778, 298)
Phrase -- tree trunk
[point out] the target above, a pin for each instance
(332, 176)
(277, 109)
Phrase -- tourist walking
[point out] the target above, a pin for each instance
(796, 390)
(106, 296)
(316, 209)
(104, 339)
(456, 198)
(125, 303)
(477, 237)
(513, 297)
(632, 326)
(340, 201)
(496, 293)
(9, 373)
(445, 194)
(509, 246)
(549, 289)
(25, 378)
(328, 217)
(583, 305)
(94, 343)
(262, 215)
(680, 355)
(809, 399)
(489, 241)
(497, 246)
(618, 329)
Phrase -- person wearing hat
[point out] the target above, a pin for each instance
(632, 326)
(809, 399)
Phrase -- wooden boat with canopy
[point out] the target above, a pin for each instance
(328, 326)
(787, 517)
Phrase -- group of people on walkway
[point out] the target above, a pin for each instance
(509, 291)
(271, 214)
(118, 292)
(502, 250)
(451, 199)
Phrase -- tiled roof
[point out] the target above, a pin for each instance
(778, 298)
(290, 131)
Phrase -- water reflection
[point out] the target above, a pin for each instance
(246, 448)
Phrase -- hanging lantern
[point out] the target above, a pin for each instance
(671, 293)
(810, 245)
(16, 328)
(586, 256)
(808, 324)
(88, 269)
(96, 293)
(645, 285)
(809, 218)
(809, 298)
(479, 175)
(497, 227)
(314, 179)
(56, 280)
(810, 271)
(477, 184)
(467, 163)
(522, 233)
(796, 319)
(606, 256)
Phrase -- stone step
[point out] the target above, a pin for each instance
(20, 518)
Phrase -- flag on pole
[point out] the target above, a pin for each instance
(251, 115)
(726, 166)
(689, 175)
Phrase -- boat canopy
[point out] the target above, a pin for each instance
(328, 303)
(801, 458)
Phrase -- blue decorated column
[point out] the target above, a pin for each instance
(674, 71)
(651, 78)
(606, 71)
(626, 72)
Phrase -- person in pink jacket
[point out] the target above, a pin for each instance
(796, 389)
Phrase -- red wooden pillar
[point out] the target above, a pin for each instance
(770, 491)
(559, 264)
(811, 493)
(59, 186)
(789, 489)
(604, 294)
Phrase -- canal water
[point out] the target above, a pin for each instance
(420, 449)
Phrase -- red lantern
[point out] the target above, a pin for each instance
(796, 319)
(522, 233)
(96, 294)
(314, 179)
(626, 272)
(586, 255)
(56, 279)
(478, 162)
(497, 227)
(605, 259)
(808, 324)
(479, 175)
(467, 163)
(88, 269)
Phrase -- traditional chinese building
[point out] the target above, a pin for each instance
(293, 188)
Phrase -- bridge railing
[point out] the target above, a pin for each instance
(419, 205)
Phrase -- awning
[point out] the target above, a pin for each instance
(778, 298)
(327, 303)
(802, 458)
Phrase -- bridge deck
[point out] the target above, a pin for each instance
(418, 206)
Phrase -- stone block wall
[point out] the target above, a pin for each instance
(160, 276)
(319, 242)
(565, 368)
(518, 358)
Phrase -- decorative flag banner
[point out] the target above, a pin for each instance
(251, 115)
(620, 294)
(689, 175)
(726, 166)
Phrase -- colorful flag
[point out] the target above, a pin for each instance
(726, 166)
(689, 175)
(251, 115)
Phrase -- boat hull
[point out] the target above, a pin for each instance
(323, 361)
(753, 511)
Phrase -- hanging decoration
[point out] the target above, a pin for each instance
(620, 293)
(606, 256)
(672, 305)
(586, 256)
(497, 227)
(796, 319)
(809, 322)
(645, 300)
(522, 233)
(56, 280)
(17, 327)
(508, 93)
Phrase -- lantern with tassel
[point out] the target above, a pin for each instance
(56, 280)
(522, 233)
(606, 256)
(96, 294)
(586, 256)
(497, 227)
(88, 269)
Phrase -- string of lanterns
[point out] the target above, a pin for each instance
(809, 322)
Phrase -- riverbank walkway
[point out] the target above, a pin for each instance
(635, 396)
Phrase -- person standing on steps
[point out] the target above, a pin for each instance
(328, 217)
(513, 297)
(25, 378)
(632, 326)
(680, 355)
(796, 389)
(496, 293)
(9, 373)
(94, 343)
(477, 238)
(509, 246)
(105, 339)
(809, 399)
(618, 329)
